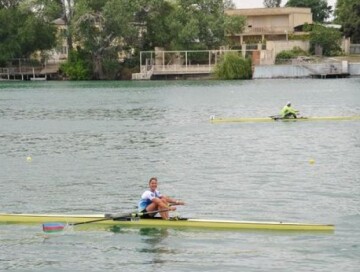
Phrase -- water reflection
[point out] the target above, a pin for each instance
(153, 236)
(154, 249)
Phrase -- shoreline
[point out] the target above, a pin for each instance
(277, 71)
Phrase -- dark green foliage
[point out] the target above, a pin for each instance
(188, 24)
(286, 55)
(22, 33)
(127, 68)
(157, 17)
(307, 27)
(319, 8)
(348, 15)
(328, 38)
(77, 67)
(111, 68)
(200, 57)
(233, 66)
(234, 24)
(104, 34)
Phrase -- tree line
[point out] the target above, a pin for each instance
(98, 30)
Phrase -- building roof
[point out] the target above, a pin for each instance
(267, 11)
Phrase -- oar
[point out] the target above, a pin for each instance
(57, 226)
(275, 117)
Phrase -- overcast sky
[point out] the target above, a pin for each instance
(259, 3)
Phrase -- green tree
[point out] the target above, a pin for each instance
(234, 24)
(21, 38)
(319, 8)
(272, 3)
(201, 24)
(233, 66)
(77, 66)
(104, 28)
(347, 14)
(49, 10)
(328, 38)
(155, 19)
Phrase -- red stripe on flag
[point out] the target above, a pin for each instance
(50, 228)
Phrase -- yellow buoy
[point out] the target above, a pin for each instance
(28, 159)
(311, 161)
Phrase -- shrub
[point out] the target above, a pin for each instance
(286, 55)
(77, 67)
(233, 66)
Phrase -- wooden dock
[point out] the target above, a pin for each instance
(161, 64)
(332, 75)
(28, 72)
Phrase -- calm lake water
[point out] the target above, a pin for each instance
(94, 145)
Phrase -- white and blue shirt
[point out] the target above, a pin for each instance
(146, 199)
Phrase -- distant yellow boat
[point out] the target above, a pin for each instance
(214, 119)
(102, 221)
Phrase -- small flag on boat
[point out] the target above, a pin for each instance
(53, 227)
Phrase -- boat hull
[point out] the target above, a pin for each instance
(174, 223)
(269, 119)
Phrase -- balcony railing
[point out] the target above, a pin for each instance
(182, 69)
(272, 30)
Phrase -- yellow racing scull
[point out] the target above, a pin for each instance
(128, 221)
(214, 119)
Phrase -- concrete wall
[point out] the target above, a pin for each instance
(354, 69)
(304, 70)
(280, 71)
(297, 19)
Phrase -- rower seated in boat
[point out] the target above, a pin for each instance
(153, 201)
(288, 111)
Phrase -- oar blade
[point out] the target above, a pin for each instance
(53, 227)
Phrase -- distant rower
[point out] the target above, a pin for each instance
(288, 111)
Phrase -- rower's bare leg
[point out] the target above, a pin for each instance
(151, 208)
(162, 205)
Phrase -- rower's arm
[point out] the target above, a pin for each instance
(173, 201)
